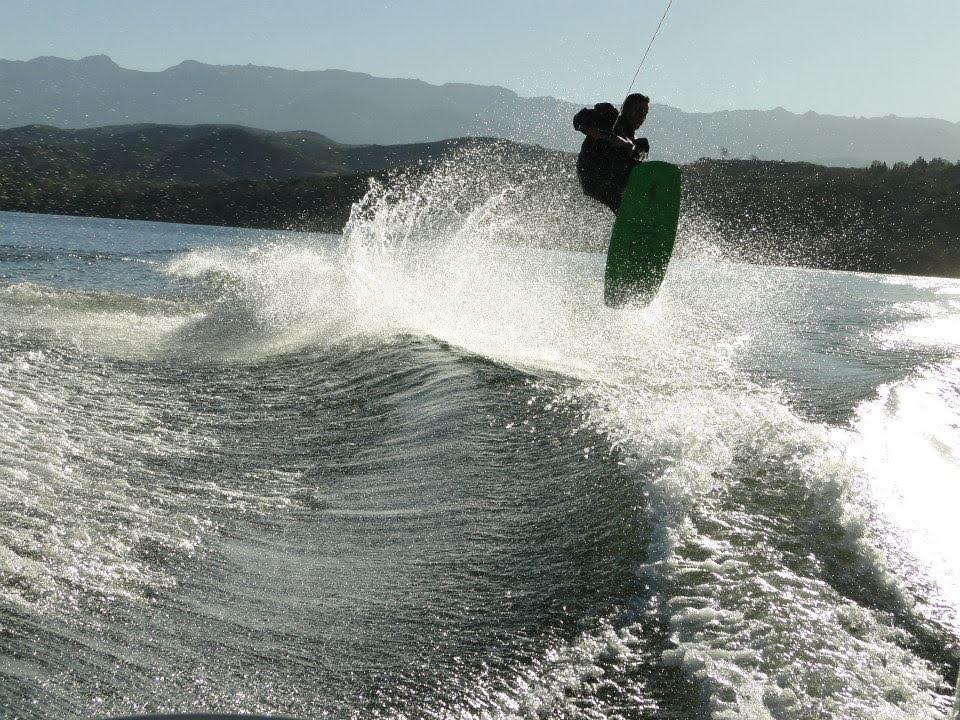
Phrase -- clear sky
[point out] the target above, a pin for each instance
(847, 57)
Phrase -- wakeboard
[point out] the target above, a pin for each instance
(643, 235)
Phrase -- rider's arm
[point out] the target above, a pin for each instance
(607, 137)
(604, 115)
(590, 122)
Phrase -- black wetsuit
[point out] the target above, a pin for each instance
(603, 169)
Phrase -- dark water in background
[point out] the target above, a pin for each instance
(371, 476)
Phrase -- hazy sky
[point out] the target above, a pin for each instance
(848, 57)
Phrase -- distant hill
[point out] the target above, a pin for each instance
(201, 154)
(246, 177)
(356, 108)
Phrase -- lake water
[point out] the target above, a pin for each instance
(394, 475)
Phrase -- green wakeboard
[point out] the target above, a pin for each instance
(643, 235)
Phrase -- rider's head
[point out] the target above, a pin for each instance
(635, 109)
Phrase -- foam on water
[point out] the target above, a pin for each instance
(87, 513)
(757, 616)
(908, 443)
(267, 299)
(73, 528)
(99, 323)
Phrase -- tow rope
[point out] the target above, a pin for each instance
(642, 60)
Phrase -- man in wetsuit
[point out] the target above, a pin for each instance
(610, 150)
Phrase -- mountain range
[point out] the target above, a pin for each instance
(356, 108)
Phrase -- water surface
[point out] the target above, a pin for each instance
(403, 474)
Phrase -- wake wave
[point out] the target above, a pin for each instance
(907, 441)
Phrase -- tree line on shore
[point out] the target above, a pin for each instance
(901, 219)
